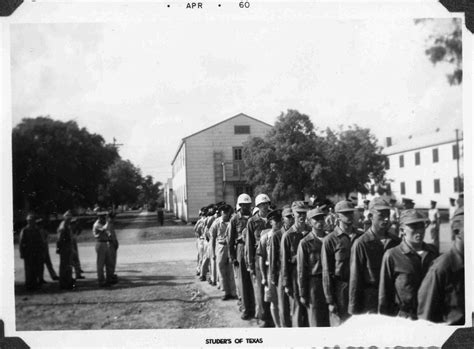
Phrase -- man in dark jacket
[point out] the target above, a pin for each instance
(31, 250)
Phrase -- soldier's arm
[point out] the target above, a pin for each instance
(260, 255)
(387, 287)
(231, 237)
(328, 265)
(285, 258)
(358, 262)
(430, 297)
(302, 271)
(250, 246)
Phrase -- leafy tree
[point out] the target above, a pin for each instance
(149, 192)
(447, 47)
(124, 183)
(57, 165)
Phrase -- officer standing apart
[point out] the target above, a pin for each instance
(65, 250)
(335, 257)
(31, 250)
(104, 256)
(289, 247)
(441, 294)
(237, 254)
(310, 271)
(366, 259)
(433, 216)
(283, 299)
(404, 267)
(224, 267)
(256, 224)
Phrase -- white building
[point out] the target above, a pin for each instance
(208, 166)
(426, 167)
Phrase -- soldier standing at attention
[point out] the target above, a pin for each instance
(366, 259)
(198, 230)
(310, 278)
(31, 250)
(264, 250)
(283, 299)
(289, 247)
(224, 267)
(404, 267)
(104, 257)
(335, 257)
(65, 250)
(255, 225)
(237, 254)
(433, 216)
(441, 294)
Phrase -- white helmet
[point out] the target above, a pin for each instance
(261, 198)
(244, 199)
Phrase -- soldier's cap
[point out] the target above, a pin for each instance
(68, 213)
(412, 216)
(275, 215)
(379, 204)
(407, 200)
(299, 206)
(344, 206)
(287, 212)
(225, 208)
(458, 213)
(315, 212)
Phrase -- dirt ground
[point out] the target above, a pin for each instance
(157, 287)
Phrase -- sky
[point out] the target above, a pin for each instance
(150, 84)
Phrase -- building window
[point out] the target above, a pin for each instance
(242, 130)
(402, 188)
(417, 158)
(455, 152)
(458, 185)
(402, 161)
(418, 187)
(437, 188)
(435, 155)
(237, 153)
(387, 163)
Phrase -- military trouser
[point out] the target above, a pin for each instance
(205, 260)
(262, 308)
(200, 254)
(76, 263)
(284, 306)
(318, 311)
(213, 263)
(299, 316)
(48, 263)
(65, 268)
(341, 299)
(245, 283)
(113, 247)
(226, 272)
(104, 259)
(33, 274)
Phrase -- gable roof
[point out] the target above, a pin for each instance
(207, 128)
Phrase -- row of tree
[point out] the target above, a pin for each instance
(58, 165)
(295, 158)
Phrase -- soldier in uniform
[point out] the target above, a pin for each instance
(335, 257)
(433, 217)
(452, 208)
(65, 250)
(283, 299)
(219, 239)
(441, 294)
(198, 230)
(310, 278)
(366, 259)
(113, 244)
(404, 267)
(206, 250)
(266, 254)
(213, 279)
(289, 247)
(102, 248)
(32, 250)
(237, 254)
(255, 225)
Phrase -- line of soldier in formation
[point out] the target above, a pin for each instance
(34, 250)
(299, 267)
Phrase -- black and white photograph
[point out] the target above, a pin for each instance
(235, 173)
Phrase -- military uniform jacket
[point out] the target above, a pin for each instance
(255, 225)
(335, 258)
(199, 227)
(366, 261)
(218, 231)
(441, 294)
(400, 277)
(236, 226)
(207, 226)
(263, 250)
(64, 243)
(308, 261)
(288, 249)
(274, 257)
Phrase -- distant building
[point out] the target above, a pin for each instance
(168, 195)
(208, 165)
(426, 167)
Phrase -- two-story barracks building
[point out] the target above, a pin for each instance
(426, 167)
(208, 166)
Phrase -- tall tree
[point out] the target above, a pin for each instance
(124, 183)
(57, 165)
